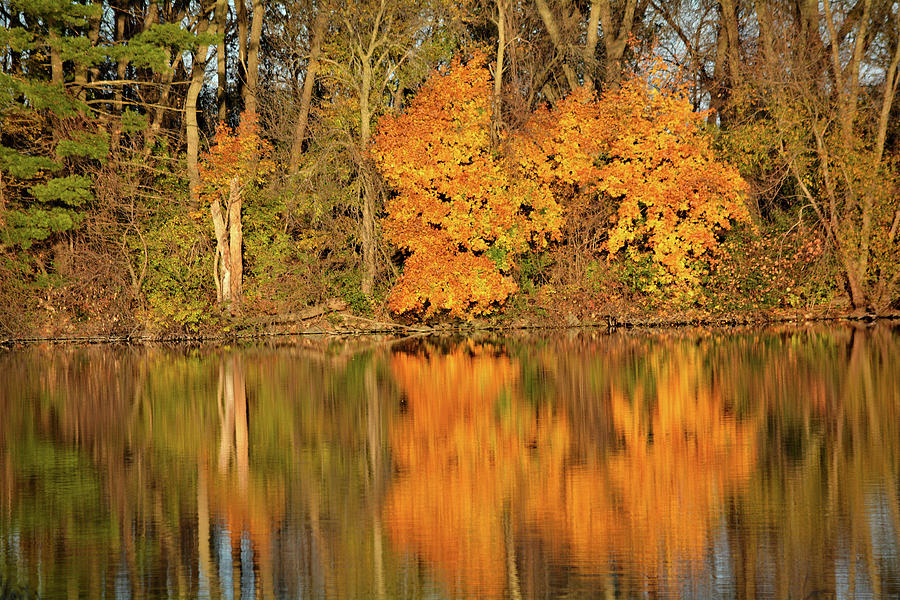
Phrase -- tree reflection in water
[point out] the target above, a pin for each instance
(759, 463)
(471, 451)
(247, 514)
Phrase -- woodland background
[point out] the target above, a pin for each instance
(182, 166)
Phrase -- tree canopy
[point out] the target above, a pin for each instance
(575, 160)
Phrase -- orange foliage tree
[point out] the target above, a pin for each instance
(641, 147)
(461, 211)
(478, 467)
(237, 159)
(462, 452)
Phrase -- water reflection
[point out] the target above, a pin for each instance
(761, 463)
(462, 448)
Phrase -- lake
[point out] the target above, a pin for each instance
(748, 463)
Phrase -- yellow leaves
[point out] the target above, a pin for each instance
(235, 155)
(642, 148)
(443, 279)
(460, 209)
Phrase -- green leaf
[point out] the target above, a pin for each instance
(59, 12)
(133, 121)
(88, 145)
(73, 190)
(24, 227)
(167, 35)
(22, 166)
(17, 38)
(39, 95)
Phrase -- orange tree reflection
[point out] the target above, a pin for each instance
(473, 456)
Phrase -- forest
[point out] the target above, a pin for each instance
(172, 167)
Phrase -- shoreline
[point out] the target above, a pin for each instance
(319, 329)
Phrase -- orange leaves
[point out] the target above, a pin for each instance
(236, 156)
(438, 277)
(640, 148)
(643, 148)
(462, 212)
(674, 196)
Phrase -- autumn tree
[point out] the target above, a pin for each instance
(374, 42)
(461, 212)
(640, 149)
(832, 137)
(464, 455)
(805, 94)
(574, 36)
(237, 160)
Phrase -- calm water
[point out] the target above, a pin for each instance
(752, 464)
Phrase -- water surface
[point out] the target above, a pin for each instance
(757, 463)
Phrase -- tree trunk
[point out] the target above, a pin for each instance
(222, 261)
(764, 18)
(553, 30)
(312, 66)
(365, 125)
(367, 236)
(235, 245)
(151, 17)
(145, 91)
(94, 37)
(808, 15)
(719, 93)
(364, 55)
(887, 100)
(228, 266)
(497, 117)
(162, 105)
(615, 41)
(256, 23)
(121, 71)
(120, 15)
(846, 87)
(367, 227)
(857, 291)
(853, 253)
(732, 53)
(121, 64)
(590, 44)
(81, 69)
(192, 131)
(859, 50)
(56, 64)
(221, 34)
(727, 62)
(243, 27)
